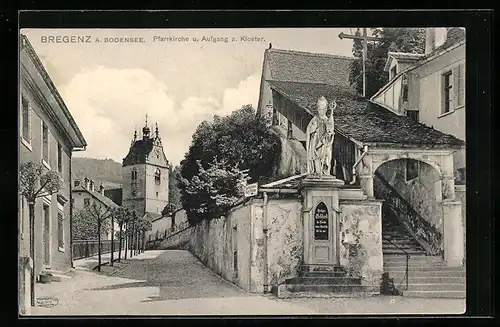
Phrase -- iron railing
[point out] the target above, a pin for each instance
(427, 235)
(406, 276)
(88, 248)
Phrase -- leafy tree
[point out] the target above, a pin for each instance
(409, 40)
(98, 214)
(218, 152)
(212, 192)
(131, 231)
(174, 195)
(85, 226)
(143, 226)
(36, 181)
(122, 216)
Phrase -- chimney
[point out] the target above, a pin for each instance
(101, 189)
(86, 185)
(430, 37)
(77, 182)
(91, 186)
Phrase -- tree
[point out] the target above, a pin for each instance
(239, 141)
(122, 216)
(85, 226)
(174, 195)
(131, 229)
(409, 40)
(36, 181)
(143, 226)
(99, 214)
(212, 192)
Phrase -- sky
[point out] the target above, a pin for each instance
(109, 87)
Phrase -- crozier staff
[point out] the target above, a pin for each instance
(319, 143)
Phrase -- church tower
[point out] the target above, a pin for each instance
(145, 173)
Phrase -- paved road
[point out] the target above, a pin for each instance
(176, 283)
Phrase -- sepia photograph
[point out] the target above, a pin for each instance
(242, 171)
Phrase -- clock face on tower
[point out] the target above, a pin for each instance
(158, 151)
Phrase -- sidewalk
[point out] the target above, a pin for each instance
(92, 262)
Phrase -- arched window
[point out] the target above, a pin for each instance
(133, 183)
(157, 176)
(134, 174)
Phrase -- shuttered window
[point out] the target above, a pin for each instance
(447, 92)
(459, 81)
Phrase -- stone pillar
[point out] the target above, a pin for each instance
(321, 249)
(366, 183)
(453, 233)
(25, 266)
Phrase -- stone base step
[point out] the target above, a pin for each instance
(425, 269)
(435, 294)
(322, 274)
(282, 291)
(321, 268)
(324, 281)
(322, 288)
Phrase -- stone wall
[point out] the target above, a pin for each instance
(284, 242)
(293, 155)
(361, 240)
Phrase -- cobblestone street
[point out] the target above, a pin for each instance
(176, 283)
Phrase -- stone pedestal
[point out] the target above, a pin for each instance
(321, 220)
(453, 233)
(25, 267)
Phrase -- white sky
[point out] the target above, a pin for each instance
(109, 87)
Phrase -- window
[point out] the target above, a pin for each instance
(157, 176)
(60, 230)
(156, 194)
(411, 169)
(59, 158)
(405, 88)
(86, 202)
(134, 174)
(45, 142)
(447, 92)
(26, 132)
(133, 184)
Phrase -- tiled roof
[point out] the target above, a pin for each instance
(138, 152)
(306, 67)
(106, 201)
(363, 120)
(115, 194)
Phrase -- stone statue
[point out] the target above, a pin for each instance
(319, 143)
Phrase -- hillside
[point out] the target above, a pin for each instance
(101, 171)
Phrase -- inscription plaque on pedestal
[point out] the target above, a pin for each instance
(321, 226)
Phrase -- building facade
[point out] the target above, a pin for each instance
(430, 87)
(87, 194)
(48, 135)
(146, 175)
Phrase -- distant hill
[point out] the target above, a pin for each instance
(101, 171)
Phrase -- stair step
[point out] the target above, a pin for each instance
(425, 269)
(322, 268)
(414, 258)
(435, 294)
(435, 287)
(324, 281)
(398, 279)
(397, 251)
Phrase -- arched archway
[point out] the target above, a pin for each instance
(412, 194)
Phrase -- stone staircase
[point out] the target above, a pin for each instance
(428, 277)
(324, 281)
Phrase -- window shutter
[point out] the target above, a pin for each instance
(455, 87)
(442, 94)
(461, 85)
